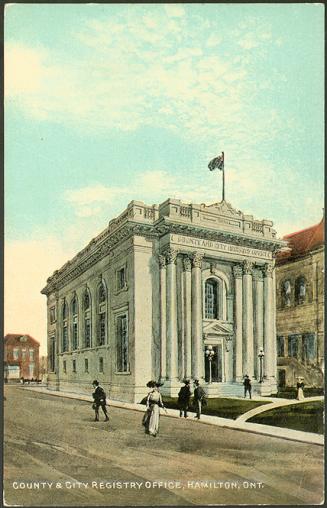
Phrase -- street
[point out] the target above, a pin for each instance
(56, 455)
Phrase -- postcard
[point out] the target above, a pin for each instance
(164, 254)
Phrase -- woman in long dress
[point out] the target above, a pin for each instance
(153, 403)
(300, 386)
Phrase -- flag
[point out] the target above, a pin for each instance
(217, 162)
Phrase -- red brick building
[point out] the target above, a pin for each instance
(21, 357)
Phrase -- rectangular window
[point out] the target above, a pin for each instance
(211, 300)
(309, 347)
(86, 365)
(101, 364)
(121, 278)
(52, 315)
(292, 346)
(24, 354)
(87, 332)
(74, 366)
(280, 346)
(122, 344)
(64, 339)
(75, 334)
(31, 369)
(31, 351)
(65, 366)
(102, 329)
(52, 354)
(16, 353)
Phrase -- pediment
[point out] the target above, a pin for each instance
(217, 328)
(223, 208)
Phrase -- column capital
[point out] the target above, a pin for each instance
(237, 271)
(187, 263)
(268, 270)
(247, 267)
(171, 255)
(197, 259)
(162, 260)
(257, 276)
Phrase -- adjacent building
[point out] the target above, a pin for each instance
(21, 357)
(167, 292)
(300, 308)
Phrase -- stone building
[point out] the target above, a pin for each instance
(156, 291)
(21, 357)
(300, 308)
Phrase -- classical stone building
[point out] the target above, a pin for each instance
(156, 291)
(21, 357)
(300, 308)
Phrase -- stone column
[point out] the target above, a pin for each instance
(258, 319)
(187, 317)
(171, 316)
(163, 317)
(238, 271)
(197, 350)
(248, 360)
(269, 338)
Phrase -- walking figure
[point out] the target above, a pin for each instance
(99, 397)
(247, 386)
(184, 398)
(300, 386)
(153, 403)
(198, 398)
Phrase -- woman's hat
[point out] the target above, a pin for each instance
(151, 384)
(186, 381)
(95, 382)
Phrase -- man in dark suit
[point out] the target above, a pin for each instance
(99, 397)
(184, 398)
(199, 398)
(247, 385)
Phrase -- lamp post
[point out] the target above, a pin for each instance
(261, 355)
(210, 354)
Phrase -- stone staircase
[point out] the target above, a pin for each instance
(312, 374)
(224, 390)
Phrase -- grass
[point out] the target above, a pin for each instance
(224, 408)
(307, 417)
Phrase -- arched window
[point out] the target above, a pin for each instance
(286, 291)
(75, 323)
(211, 309)
(87, 318)
(64, 343)
(102, 315)
(300, 290)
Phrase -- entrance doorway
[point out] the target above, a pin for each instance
(216, 365)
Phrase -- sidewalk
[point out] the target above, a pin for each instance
(238, 424)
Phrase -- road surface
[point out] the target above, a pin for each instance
(56, 455)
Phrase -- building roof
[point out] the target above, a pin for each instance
(302, 242)
(15, 338)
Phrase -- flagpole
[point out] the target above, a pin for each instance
(223, 176)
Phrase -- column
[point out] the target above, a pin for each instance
(258, 319)
(58, 335)
(187, 318)
(171, 316)
(197, 350)
(163, 317)
(274, 293)
(269, 338)
(238, 272)
(248, 360)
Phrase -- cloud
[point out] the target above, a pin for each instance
(146, 70)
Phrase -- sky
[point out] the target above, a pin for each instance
(106, 103)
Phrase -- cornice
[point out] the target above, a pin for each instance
(102, 246)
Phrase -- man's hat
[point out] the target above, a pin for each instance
(196, 381)
(95, 382)
(186, 381)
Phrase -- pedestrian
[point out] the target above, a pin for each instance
(99, 397)
(247, 386)
(184, 395)
(199, 398)
(300, 387)
(153, 403)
